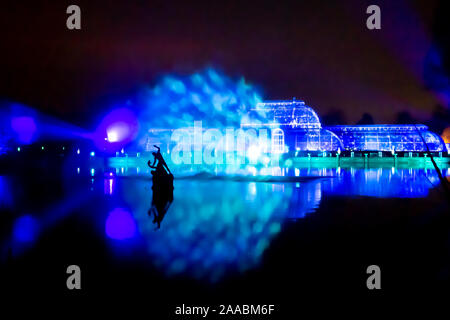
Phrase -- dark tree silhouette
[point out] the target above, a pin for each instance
(334, 117)
(440, 119)
(366, 119)
(437, 61)
(404, 117)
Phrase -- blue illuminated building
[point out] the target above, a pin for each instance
(388, 138)
(296, 127)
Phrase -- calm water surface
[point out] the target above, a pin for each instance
(212, 226)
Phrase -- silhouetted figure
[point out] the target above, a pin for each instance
(366, 119)
(160, 204)
(161, 165)
(162, 188)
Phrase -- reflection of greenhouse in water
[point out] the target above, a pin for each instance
(296, 127)
(380, 182)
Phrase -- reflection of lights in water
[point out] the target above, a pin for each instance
(92, 154)
(278, 187)
(318, 193)
(305, 199)
(252, 188)
(382, 182)
(120, 224)
(251, 193)
(109, 186)
(78, 170)
(5, 192)
(78, 151)
(92, 172)
(25, 229)
(215, 226)
(211, 226)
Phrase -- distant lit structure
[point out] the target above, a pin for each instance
(388, 138)
(296, 127)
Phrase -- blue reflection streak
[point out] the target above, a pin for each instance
(5, 193)
(25, 229)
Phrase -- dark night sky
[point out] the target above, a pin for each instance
(318, 51)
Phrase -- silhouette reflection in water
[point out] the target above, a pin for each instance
(162, 188)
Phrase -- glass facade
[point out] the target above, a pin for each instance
(278, 140)
(287, 114)
(317, 140)
(388, 138)
(299, 128)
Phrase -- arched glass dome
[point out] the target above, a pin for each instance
(294, 114)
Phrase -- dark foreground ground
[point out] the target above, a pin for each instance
(317, 263)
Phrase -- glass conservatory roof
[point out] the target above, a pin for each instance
(293, 113)
(301, 121)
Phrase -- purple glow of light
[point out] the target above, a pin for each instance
(25, 128)
(118, 131)
(118, 128)
(120, 225)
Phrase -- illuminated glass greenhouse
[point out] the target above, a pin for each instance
(296, 127)
(388, 138)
